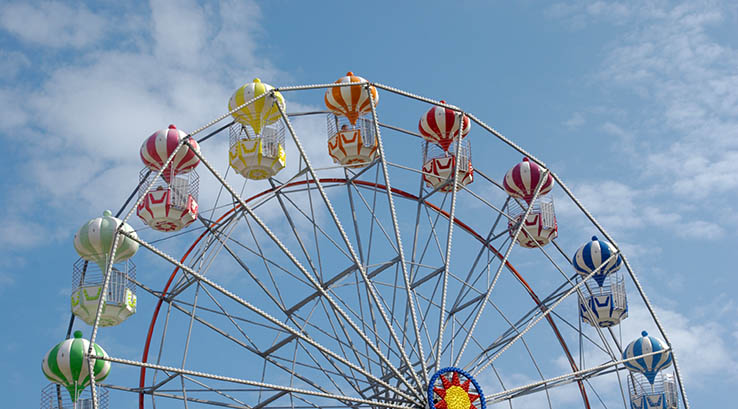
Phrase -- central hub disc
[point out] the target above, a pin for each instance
(454, 388)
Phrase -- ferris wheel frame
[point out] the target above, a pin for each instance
(575, 376)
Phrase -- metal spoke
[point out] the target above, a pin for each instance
(252, 383)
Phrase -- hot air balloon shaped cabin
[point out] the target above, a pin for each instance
(520, 182)
(66, 365)
(171, 202)
(440, 129)
(602, 299)
(93, 242)
(351, 134)
(649, 386)
(257, 136)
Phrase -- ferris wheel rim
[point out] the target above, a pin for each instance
(399, 192)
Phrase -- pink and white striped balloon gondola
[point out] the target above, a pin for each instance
(169, 208)
(521, 181)
(171, 204)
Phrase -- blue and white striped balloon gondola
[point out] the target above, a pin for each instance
(650, 365)
(591, 256)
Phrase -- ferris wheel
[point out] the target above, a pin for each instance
(386, 268)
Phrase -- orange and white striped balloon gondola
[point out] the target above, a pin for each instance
(350, 101)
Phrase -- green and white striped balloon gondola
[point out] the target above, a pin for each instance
(65, 364)
(94, 240)
(93, 243)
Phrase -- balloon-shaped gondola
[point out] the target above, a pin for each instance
(352, 101)
(441, 125)
(65, 364)
(650, 365)
(259, 113)
(351, 136)
(540, 226)
(94, 242)
(521, 181)
(172, 206)
(590, 256)
(257, 139)
(157, 148)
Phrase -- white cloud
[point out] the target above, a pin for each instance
(180, 31)
(687, 76)
(53, 24)
(575, 121)
(700, 229)
(579, 15)
(6, 280)
(83, 123)
(12, 109)
(11, 63)
(20, 234)
(623, 209)
(701, 344)
(684, 139)
(611, 9)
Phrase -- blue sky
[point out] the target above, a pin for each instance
(633, 104)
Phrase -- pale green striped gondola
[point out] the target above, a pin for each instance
(94, 240)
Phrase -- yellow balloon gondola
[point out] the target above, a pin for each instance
(257, 138)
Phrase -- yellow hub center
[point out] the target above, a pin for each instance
(457, 398)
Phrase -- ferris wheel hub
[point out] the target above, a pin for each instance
(454, 388)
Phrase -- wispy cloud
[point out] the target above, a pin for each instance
(11, 63)
(683, 138)
(623, 209)
(6, 280)
(575, 121)
(53, 24)
(25, 234)
(687, 78)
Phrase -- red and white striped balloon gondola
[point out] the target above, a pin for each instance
(443, 128)
(440, 125)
